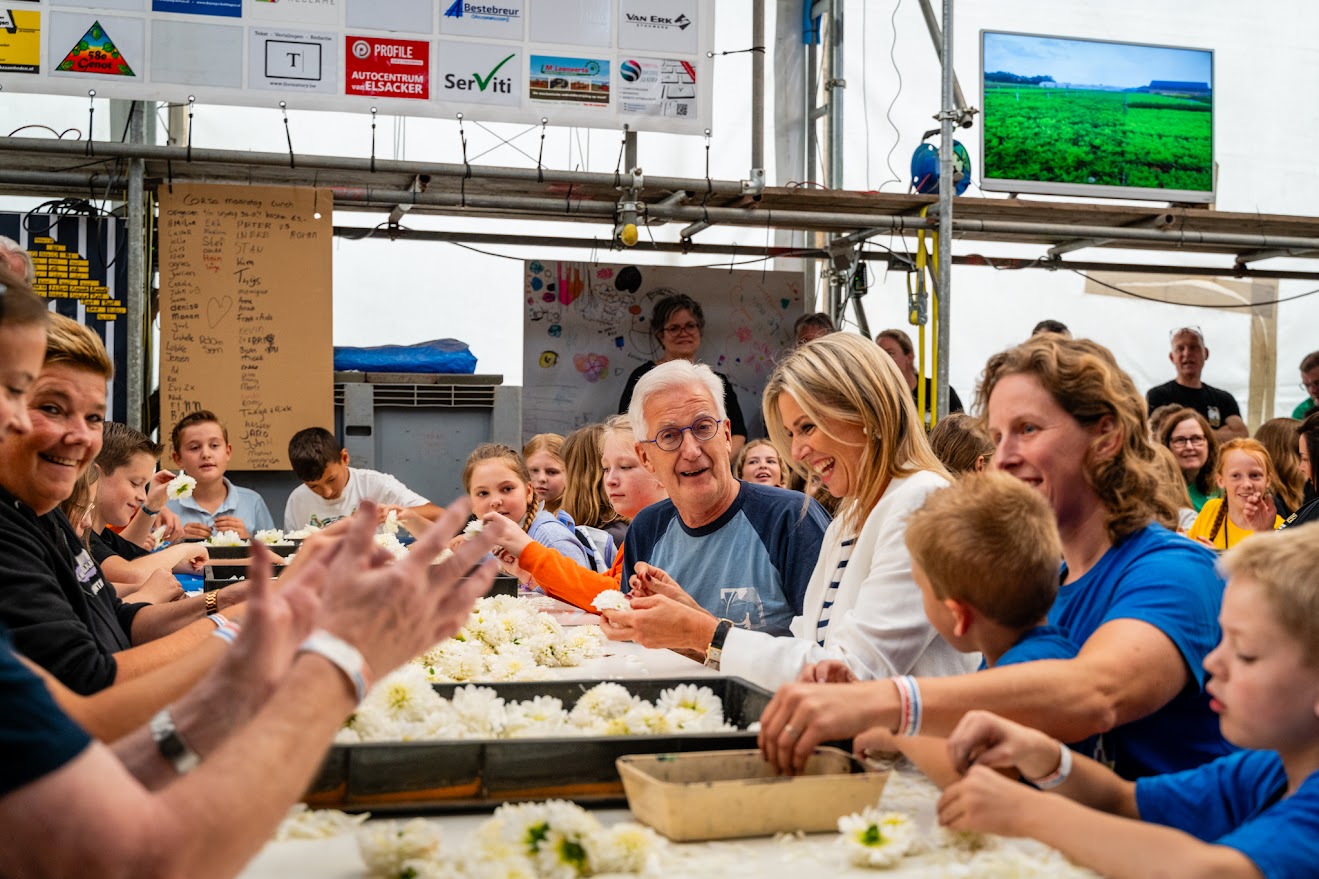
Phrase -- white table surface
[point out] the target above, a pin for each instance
(804, 857)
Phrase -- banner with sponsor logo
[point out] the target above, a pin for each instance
(597, 63)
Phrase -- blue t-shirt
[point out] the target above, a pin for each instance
(1236, 801)
(1163, 579)
(1041, 642)
(751, 565)
(36, 737)
(242, 503)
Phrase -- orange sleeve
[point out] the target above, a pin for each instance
(564, 579)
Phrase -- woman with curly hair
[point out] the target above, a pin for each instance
(1140, 600)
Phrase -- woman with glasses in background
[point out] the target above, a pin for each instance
(677, 322)
(1193, 443)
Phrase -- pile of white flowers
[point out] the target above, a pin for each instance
(272, 537)
(554, 839)
(506, 639)
(301, 533)
(404, 707)
(225, 538)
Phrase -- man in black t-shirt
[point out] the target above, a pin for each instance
(1218, 407)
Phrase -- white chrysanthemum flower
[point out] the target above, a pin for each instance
(700, 700)
(480, 709)
(403, 696)
(347, 736)
(391, 524)
(541, 717)
(610, 599)
(873, 839)
(304, 823)
(225, 538)
(180, 486)
(474, 527)
(623, 848)
(158, 534)
(386, 845)
(602, 702)
(270, 536)
(553, 834)
(301, 533)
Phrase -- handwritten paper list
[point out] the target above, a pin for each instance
(245, 314)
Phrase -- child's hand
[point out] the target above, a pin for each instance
(826, 671)
(506, 533)
(232, 523)
(189, 558)
(984, 802)
(156, 494)
(986, 739)
(875, 741)
(196, 531)
(1259, 512)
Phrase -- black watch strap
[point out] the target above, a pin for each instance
(714, 653)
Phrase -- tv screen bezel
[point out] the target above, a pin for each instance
(1097, 190)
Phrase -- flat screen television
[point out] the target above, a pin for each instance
(1079, 117)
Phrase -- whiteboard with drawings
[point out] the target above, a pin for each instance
(587, 326)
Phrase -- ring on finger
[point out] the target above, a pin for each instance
(792, 731)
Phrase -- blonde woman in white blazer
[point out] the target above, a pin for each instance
(841, 406)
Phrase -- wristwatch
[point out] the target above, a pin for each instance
(715, 651)
(172, 746)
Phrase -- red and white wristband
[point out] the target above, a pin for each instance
(344, 656)
(909, 696)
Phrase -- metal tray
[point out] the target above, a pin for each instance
(240, 552)
(483, 773)
(220, 576)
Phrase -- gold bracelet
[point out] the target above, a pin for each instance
(212, 600)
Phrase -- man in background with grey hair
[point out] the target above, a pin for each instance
(742, 553)
(14, 258)
(1219, 408)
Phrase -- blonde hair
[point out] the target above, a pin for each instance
(755, 444)
(1282, 564)
(844, 378)
(552, 445)
(991, 541)
(1278, 437)
(960, 441)
(71, 343)
(510, 458)
(584, 496)
(1084, 379)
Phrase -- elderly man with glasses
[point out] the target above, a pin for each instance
(742, 553)
(1219, 408)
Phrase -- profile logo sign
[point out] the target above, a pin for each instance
(479, 73)
(381, 67)
(501, 19)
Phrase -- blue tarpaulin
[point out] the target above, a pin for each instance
(435, 356)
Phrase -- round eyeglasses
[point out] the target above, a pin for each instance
(670, 438)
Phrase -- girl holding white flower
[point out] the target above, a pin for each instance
(497, 482)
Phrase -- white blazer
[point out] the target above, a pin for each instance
(877, 624)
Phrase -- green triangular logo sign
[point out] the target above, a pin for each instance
(96, 53)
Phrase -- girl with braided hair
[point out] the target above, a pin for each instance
(1247, 479)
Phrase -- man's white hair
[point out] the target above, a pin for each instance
(9, 245)
(673, 376)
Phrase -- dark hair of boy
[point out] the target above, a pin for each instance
(120, 444)
(311, 450)
(192, 419)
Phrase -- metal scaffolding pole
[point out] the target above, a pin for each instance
(947, 114)
(757, 173)
(834, 85)
(138, 369)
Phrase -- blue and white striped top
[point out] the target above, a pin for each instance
(831, 593)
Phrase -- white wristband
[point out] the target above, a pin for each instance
(1059, 775)
(172, 746)
(347, 658)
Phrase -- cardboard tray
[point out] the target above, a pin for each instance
(484, 773)
(729, 794)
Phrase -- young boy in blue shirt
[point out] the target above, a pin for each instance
(201, 449)
(986, 554)
(1250, 814)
